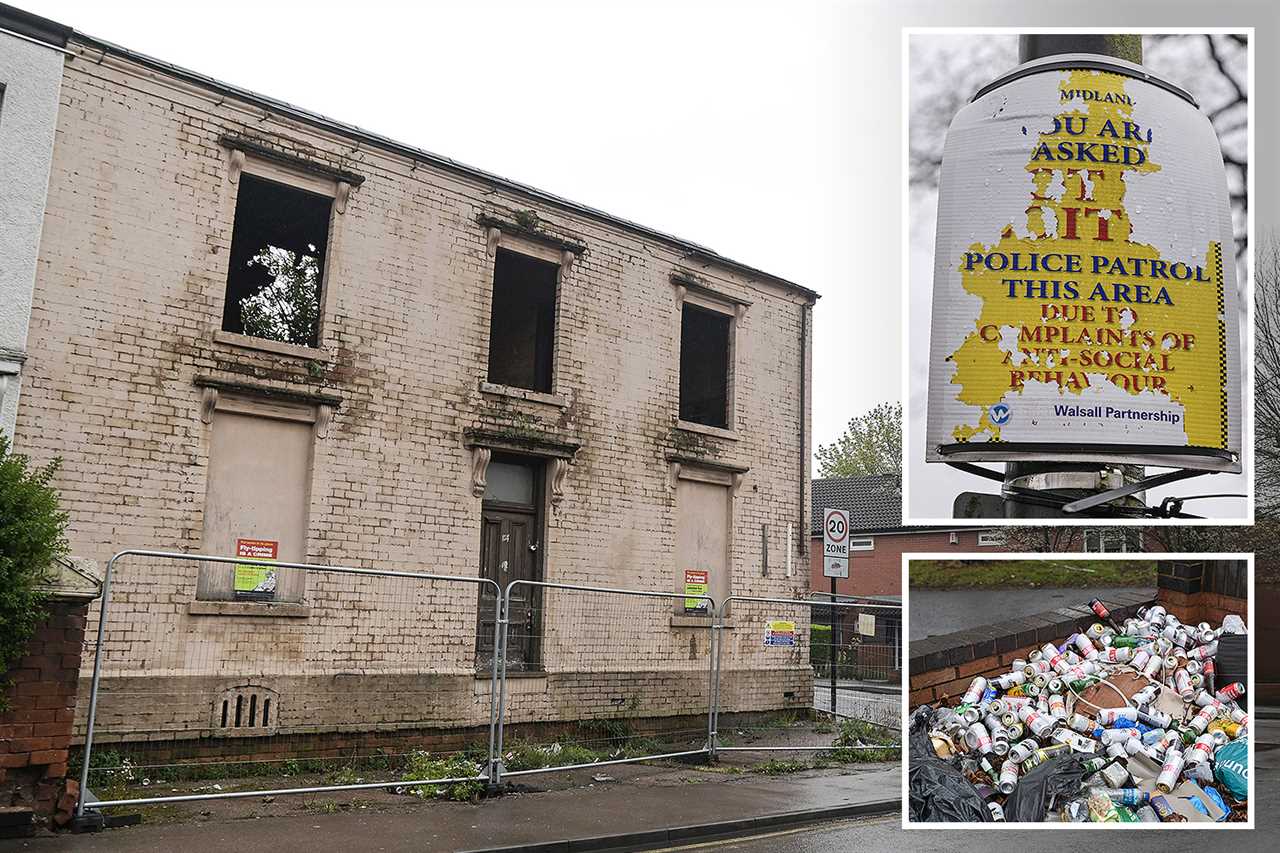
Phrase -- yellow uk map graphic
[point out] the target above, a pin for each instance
(1072, 302)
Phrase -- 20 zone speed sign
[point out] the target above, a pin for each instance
(835, 543)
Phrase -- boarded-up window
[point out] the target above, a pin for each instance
(522, 325)
(276, 267)
(702, 531)
(704, 366)
(256, 499)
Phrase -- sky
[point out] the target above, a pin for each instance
(710, 121)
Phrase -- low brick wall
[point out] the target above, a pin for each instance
(941, 667)
(35, 733)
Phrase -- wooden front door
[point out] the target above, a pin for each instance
(511, 550)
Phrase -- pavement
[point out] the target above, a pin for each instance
(614, 816)
(886, 834)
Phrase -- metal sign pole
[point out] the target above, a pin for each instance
(1080, 480)
(832, 652)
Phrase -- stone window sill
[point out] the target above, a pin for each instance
(698, 622)
(485, 675)
(232, 339)
(557, 400)
(285, 609)
(690, 426)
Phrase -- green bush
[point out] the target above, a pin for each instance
(32, 536)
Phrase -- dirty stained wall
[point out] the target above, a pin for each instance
(125, 346)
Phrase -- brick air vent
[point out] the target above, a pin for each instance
(247, 709)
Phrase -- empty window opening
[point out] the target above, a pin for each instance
(522, 325)
(278, 248)
(239, 710)
(253, 710)
(224, 713)
(266, 712)
(704, 366)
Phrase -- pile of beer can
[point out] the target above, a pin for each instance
(1008, 724)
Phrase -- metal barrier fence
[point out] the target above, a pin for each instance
(171, 677)
(598, 654)
(345, 665)
(797, 647)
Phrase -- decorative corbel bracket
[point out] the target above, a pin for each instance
(324, 417)
(341, 195)
(480, 457)
(737, 482)
(681, 293)
(559, 472)
(566, 262)
(493, 236)
(237, 164)
(674, 479)
(208, 402)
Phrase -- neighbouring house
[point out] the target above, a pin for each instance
(259, 332)
(877, 541)
(878, 538)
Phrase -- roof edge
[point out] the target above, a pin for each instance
(33, 26)
(440, 161)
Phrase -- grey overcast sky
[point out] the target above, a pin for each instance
(712, 121)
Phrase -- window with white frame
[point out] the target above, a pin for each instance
(862, 543)
(1102, 540)
(992, 538)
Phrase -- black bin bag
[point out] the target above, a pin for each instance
(1058, 778)
(938, 792)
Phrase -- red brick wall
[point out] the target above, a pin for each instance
(36, 730)
(879, 571)
(1198, 607)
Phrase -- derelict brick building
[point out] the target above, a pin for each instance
(256, 330)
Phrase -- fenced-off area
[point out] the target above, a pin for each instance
(364, 679)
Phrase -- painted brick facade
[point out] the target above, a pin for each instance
(129, 295)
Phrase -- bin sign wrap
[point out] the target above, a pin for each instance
(1084, 296)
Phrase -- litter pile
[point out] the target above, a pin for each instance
(1122, 723)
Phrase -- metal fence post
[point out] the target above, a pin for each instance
(504, 615)
(713, 686)
(718, 628)
(495, 718)
(93, 689)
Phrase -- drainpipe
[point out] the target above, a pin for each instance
(803, 529)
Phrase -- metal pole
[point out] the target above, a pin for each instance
(711, 684)
(93, 689)
(1079, 480)
(831, 652)
(504, 610)
(495, 771)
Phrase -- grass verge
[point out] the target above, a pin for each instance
(1030, 574)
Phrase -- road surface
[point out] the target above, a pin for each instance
(941, 611)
